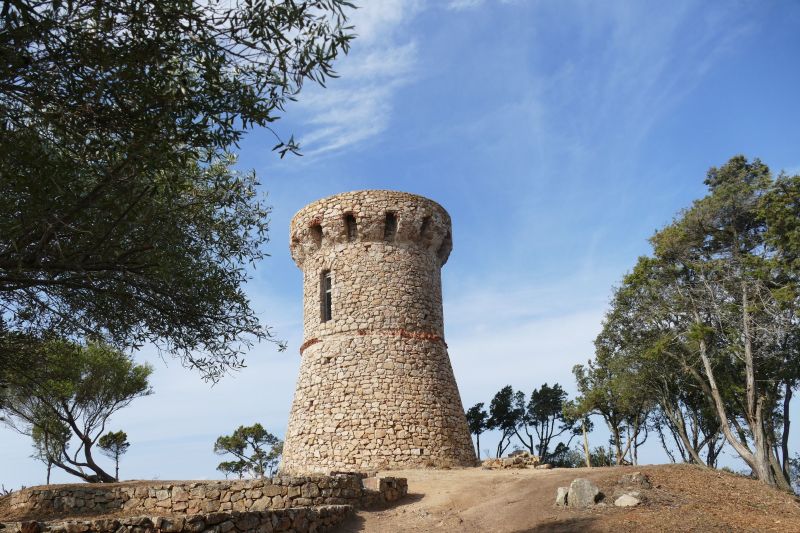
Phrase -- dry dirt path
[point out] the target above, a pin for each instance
(473, 500)
(683, 498)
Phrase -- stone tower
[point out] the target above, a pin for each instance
(376, 389)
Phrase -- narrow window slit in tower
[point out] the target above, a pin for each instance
(316, 234)
(326, 295)
(352, 229)
(426, 224)
(390, 229)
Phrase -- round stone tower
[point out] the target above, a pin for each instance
(376, 389)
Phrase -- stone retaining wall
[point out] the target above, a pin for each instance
(311, 519)
(203, 497)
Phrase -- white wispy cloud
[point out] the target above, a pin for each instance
(521, 331)
(358, 105)
(653, 58)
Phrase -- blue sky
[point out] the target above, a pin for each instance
(559, 136)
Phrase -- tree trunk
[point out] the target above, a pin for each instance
(680, 426)
(740, 447)
(787, 400)
(101, 474)
(522, 440)
(782, 482)
(755, 402)
(763, 468)
(617, 445)
(478, 445)
(586, 445)
(507, 440)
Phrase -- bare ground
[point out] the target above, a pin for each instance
(683, 498)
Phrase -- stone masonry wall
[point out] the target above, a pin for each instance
(376, 389)
(306, 519)
(203, 497)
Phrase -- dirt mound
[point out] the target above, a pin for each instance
(682, 498)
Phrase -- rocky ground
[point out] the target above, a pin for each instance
(681, 498)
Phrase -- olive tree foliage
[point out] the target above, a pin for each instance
(256, 451)
(50, 437)
(121, 215)
(707, 327)
(65, 399)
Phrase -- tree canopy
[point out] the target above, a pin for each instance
(121, 215)
(545, 412)
(68, 396)
(544, 417)
(706, 329)
(114, 445)
(256, 451)
(504, 416)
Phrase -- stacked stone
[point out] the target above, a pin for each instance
(308, 519)
(382, 490)
(376, 389)
(192, 498)
(519, 460)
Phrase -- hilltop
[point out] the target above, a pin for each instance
(682, 498)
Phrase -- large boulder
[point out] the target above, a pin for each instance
(582, 493)
(561, 496)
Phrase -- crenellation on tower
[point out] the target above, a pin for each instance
(418, 222)
(376, 389)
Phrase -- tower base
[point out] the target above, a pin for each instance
(376, 401)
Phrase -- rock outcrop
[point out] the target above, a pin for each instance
(517, 460)
(583, 493)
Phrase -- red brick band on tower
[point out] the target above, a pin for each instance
(376, 389)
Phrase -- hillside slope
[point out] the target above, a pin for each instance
(683, 498)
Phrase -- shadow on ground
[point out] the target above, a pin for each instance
(570, 525)
(356, 522)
